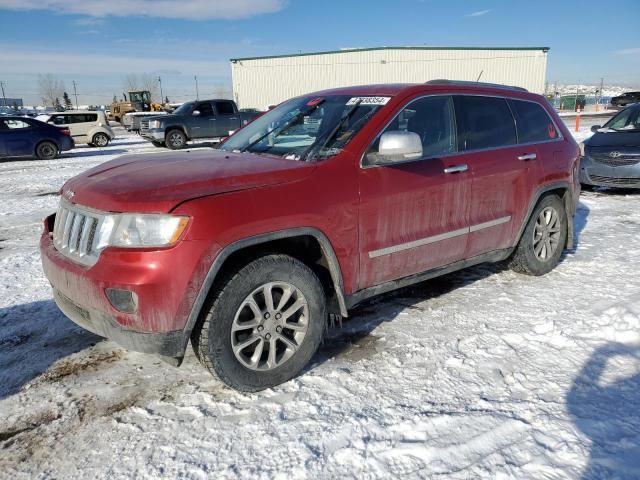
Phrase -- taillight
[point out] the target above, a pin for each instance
(65, 131)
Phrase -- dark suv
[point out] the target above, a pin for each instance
(321, 203)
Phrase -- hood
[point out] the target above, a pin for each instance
(614, 139)
(156, 183)
(160, 117)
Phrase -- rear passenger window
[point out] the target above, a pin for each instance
(484, 122)
(83, 118)
(533, 122)
(224, 108)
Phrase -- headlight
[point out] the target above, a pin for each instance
(154, 123)
(581, 145)
(141, 230)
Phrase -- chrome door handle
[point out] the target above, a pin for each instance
(528, 156)
(456, 168)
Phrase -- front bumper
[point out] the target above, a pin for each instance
(165, 281)
(154, 135)
(599, 174)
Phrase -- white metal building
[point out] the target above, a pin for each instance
(262, 81)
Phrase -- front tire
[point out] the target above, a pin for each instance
(543, 239)
(264, 324)
(175, 139)
(46, 150)
(100, 140)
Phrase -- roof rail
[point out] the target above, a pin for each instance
(466, 83)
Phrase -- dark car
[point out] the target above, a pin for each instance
(625, 99)
(611, 157)
(27, 137)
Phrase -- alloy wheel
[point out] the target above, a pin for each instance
(546, 234)
(270, 325)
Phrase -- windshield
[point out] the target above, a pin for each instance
(139, 96)
(307, 128)
(183, 109)
(627, 120)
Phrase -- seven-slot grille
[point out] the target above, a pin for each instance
(75, 233)
(144, 125)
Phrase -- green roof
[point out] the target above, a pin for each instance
(350, 50)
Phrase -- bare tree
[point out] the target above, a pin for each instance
(131, 82)
(145, 81)
(50, 88)
(150, 82)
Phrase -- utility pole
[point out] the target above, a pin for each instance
(161, 95)
(4, 99)
(195, 77)
(75, 93)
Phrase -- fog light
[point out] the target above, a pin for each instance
(125, 301)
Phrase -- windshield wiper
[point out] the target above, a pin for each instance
(295, 118)
(345, 116)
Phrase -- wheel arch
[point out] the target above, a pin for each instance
(176, 127)
(563, 190)
(43, 140)
(300, 243)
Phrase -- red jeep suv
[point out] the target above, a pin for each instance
(324, 201)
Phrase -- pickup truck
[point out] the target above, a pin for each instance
(214, 119)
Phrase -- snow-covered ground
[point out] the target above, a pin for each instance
(482, 373)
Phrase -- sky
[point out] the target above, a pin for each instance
(96, 43)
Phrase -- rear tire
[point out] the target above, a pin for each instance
(46, 150)
(291, 323)
(543, 239)
(100, 140)
(175, 139)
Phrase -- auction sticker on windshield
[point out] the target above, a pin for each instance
(369, 100)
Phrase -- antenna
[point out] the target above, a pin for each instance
(481, 72)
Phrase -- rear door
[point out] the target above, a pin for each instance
(82, 125)
(227, 118)
(414, 215)
(505, 174)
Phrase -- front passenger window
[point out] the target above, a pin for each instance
(206, 110)
(432, 119)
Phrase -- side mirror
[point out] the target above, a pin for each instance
(595, 128)
(396, 146)
(196, 113)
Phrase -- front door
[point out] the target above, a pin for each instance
(414, 216)
(18, 137)
(203, 125)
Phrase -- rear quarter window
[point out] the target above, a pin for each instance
(533, 122)
(484, 122)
